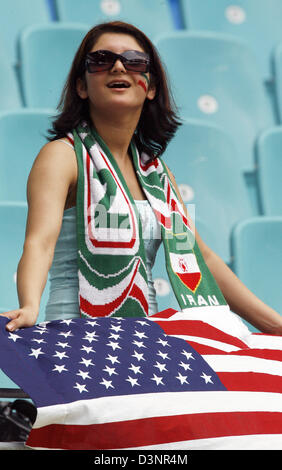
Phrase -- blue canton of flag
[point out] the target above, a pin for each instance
(67, 360)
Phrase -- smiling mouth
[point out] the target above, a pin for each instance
(118, 85)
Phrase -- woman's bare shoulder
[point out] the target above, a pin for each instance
(57, 156)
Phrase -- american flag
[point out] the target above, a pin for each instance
(171, 381)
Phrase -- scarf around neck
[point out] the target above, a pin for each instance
(111, 256)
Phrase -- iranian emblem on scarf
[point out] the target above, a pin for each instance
(187, 269)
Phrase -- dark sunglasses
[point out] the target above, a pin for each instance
(133, 61)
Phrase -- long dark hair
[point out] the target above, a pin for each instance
(158, 121)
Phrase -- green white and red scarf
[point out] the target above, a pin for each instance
(111, 255)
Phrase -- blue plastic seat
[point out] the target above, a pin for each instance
(10, 96)
(47, 52)
(22, 134)
(151, 17)
(12, 222)
(257, 22)
(277, 67)
(203, 159)
(215, 78)
(269, 168)
(257, 257)
(17, 15)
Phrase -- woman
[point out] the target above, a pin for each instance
(116, 118)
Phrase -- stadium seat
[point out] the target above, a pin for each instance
(10, 96)
(17, 15)
(203, 159)
(257, 257)
(258, 23)
(215, 78)
(13, 221)
(151, 17)
(277, 67)
(22, 134)
(46, 53)
(269, 169)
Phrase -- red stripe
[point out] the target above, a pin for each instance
(251, 381)
(138, 294)
(157, 430)
(201, 330)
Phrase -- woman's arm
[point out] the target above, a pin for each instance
(50, 179)
(240, 299)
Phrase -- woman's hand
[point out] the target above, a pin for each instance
(20, 318)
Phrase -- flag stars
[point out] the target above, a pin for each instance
(59, 369)
(135, 369)
(107, 383)
(14, 337)
(138, 356)
(110, 370)
(86, 362)
(87, 349)
(161, 367)
(132, 381)
(182, 378)
(188, 355)
(63, 345)
(91, 336)
(157, 379)
(163, 355)
(80, 388)
(113, 345)
(139, 344)
(84, 375)
(60, 355)
(140, 334)
(207, 378)
(113, 359)
(36, 352)
(185, 366)
(66, 334)
(163, 342)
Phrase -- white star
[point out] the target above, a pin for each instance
(36, 352)
(14, 337)
(116, 328)
(113, 336)
(142, 323)
(107, 383)
(61, 355)
(207, 378)
(68, 322)
(113, 359)
(81, 388)
(92, 323)
(86, 362)
(90, 336)
(63, 345)
(135, 369)
(157, 379)
(163, 342)
(39, 340)
(163, 355)
(161, 367)
(185, 366)
(182, 378)
(187, 354)
(140, 334)
(132, 381)
(140, 344)
(110, 370)
(84, 375)
(138, 356)
(41, 331)
(59, 368)
(87, 349)
(65, 334)
(114, 345)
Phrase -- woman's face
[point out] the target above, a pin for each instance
(99, 87)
